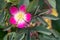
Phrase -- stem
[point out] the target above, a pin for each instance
(37, 9)
(28, 35)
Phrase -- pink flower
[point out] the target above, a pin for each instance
(19, 16)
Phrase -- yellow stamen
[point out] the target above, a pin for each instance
(20, 16)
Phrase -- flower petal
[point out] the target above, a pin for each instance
(13, 10)
(28, 17)
(12, 20)
(22, 8)
(21, 25)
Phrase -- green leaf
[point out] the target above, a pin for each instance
(32, 6)
(26, 2)
(44, 11)
(5, 38)
(21, 30)
(37, 10)
(42, 29)
(10, 36)
(47, 37)
(7, 0)
(20, 3)
(41, 3)
(12, 1)
(52, 17)
(52, 3)
(1, 26)
(20, 36)
(28, 35)
(7, 28)
(2, 4)
(55, 33)
(42, 38)
(42, 21)
(2, 18)
(14, 36)
(33, 20)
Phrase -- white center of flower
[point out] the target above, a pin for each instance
(20, 17)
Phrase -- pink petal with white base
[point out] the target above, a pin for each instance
(22, 8)
(21, 25)
(12, 20)
(13, 10)
(28, 17)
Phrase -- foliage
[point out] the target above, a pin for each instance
(40, 9)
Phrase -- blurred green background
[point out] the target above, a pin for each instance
(55, 24)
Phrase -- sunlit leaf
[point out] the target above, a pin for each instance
(52, 3)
